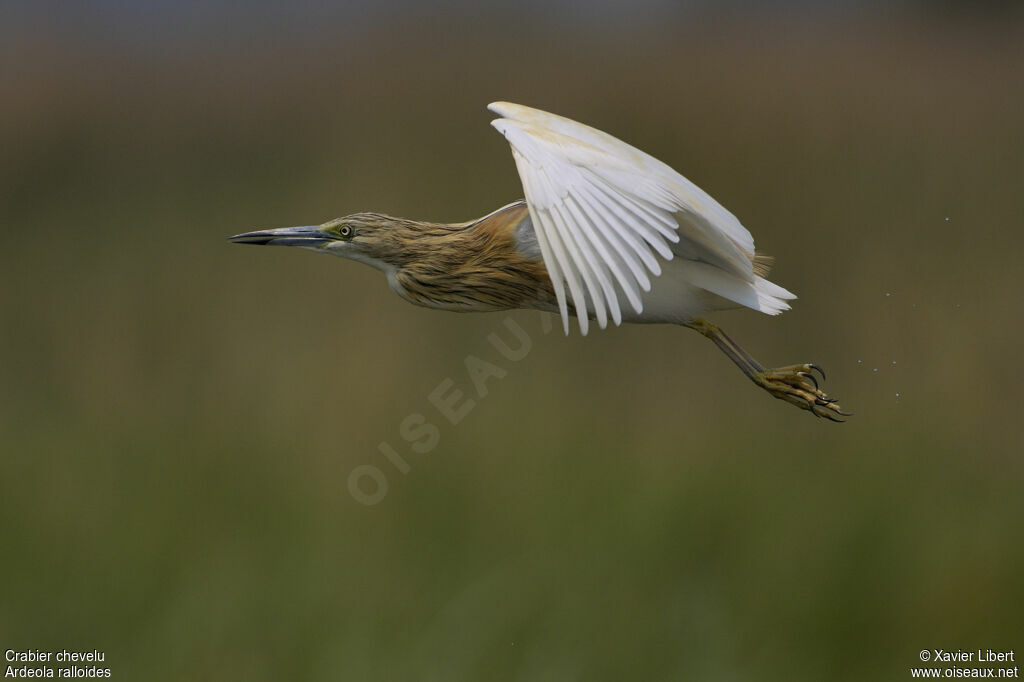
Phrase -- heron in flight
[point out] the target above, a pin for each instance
(606, 232)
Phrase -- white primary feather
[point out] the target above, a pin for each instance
(603, 211)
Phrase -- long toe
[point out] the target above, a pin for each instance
(797, 385)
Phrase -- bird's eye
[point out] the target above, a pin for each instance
(345, 231)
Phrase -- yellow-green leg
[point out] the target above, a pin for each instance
(795, 384)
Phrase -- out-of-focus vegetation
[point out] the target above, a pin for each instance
(179, 416)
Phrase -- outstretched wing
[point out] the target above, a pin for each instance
(603, 211)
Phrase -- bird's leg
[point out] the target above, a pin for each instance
(794, 384)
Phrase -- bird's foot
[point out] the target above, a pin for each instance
(798, 386)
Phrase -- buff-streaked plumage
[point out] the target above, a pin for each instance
(465, 267)
(606, 233)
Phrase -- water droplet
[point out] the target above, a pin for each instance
(875, 369)
(947, 219)
(894, 362)
(887, 293)
(859, 361)
(897, 394)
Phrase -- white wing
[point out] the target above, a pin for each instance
(603, 210)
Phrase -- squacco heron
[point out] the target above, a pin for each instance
(605, 232)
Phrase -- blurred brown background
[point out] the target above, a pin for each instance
(179, 416)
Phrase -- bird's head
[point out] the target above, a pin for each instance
(371, 238)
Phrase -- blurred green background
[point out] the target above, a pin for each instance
(179, 416)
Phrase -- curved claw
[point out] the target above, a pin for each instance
(798, 386)
(820, 371)
(811, 377)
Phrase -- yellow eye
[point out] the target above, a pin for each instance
(345, 231)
